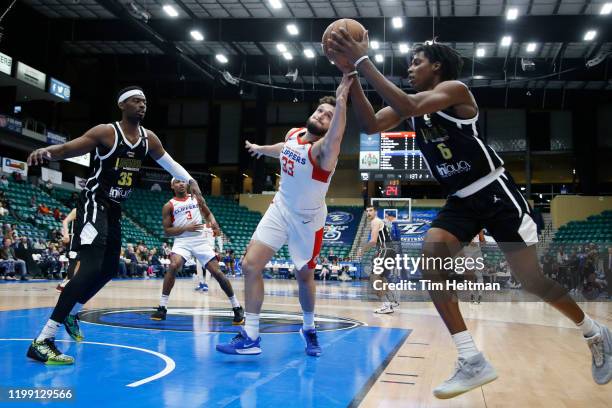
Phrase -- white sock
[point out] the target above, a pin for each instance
(49, 330)
(308, 321)
(588, 327)
(251, 325)
(234, 301)
(465, 344)
(163, 300)
(76, 309)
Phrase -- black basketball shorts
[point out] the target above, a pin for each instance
(97, 223)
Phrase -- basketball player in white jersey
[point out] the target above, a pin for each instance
(380, 238)
(296, 216)
(182, 220)
(73, 259)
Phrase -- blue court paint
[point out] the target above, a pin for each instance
(281, 376)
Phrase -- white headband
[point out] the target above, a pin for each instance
(129, 94)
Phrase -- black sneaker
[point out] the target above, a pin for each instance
(46, 352)
(160, 313)
(238, 316)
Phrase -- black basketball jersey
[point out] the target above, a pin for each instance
(455, 155)
(384, 237)
(115, 173)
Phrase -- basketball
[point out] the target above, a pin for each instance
(354, 28)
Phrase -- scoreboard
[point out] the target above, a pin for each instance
(392, 155)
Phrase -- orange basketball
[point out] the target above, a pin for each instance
(355, 29)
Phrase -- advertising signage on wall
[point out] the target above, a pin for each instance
(59, 89)
(6, 64)
(30, 75)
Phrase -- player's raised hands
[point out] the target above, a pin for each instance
(254, 149)
(342, 44)
(39, 156)
(343, 89)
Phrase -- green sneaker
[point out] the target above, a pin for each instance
(46, 352)
(72, 327)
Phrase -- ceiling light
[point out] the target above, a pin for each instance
(170, 10)
(506, 41)
(512, 14)
(309, 53)
(281, 47)
(397, 22)
(292, 29)
(379, 58)
(275, 4)
(531, 47)
(403, 48)
(590, 35)
(196, 35)
(221, 58)
(480, 52)
(374, 44)
(606, 9)
(287, 56)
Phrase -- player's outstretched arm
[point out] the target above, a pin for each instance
(98, 135)
(327, 149)
(443, 96)
(171, 231)
(257, 151)
(370, 121)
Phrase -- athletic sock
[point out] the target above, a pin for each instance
(49, 330)
(308, 323)
(76, 309)
(465, 344)
(234, 301)
(251, 325)
(588, 327)
(163, 300)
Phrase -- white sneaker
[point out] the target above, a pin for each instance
(469, 374)
(385, 309)
(601, 350)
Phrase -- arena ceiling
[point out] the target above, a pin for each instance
(551, 33)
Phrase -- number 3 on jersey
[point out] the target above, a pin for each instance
(288, 166)
(125, 179)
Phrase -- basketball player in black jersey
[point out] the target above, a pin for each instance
(119, 150)
(481, 194)
(380, 237)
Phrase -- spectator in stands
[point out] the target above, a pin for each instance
(123, 265)
(165, 249)
(7, 253)
(33, 201)
(23, 244)
(3, 211)
(57, 214)
(229, 259)
(154, 262)
(73, 200)
(39, 244)
(7, 232)
(17, 177)
(49, 186)
(331, 256)
(4, 181)
(43, 209)
(156, 187)
(4, 200)
(49, 262)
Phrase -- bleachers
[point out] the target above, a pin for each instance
(595, 229)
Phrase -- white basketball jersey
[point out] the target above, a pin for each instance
(185, 211)
(303, 184)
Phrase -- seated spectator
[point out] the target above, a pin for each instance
(39, 244)
(155, 264)
(8, 257)
(17, 177)
(49, 186)
(49, 262)
(3, 211)
(4, 181)
(43, 209)
(57, 214)
(122, 273)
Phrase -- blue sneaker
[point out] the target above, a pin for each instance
(202, 287)
(241, 344)
(312, 343)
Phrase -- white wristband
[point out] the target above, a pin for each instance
(353, 73)
(361, 59)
